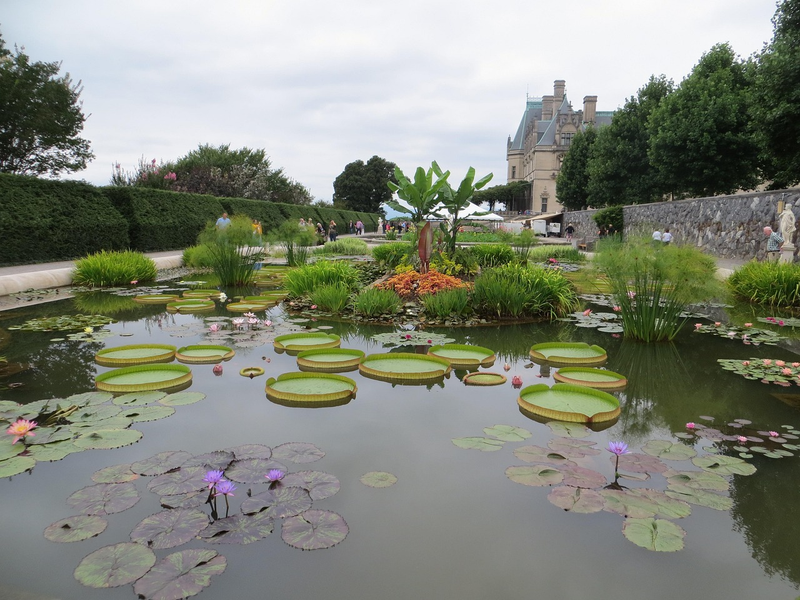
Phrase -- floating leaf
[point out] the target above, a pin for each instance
(138, 398)
(318, 484)
(252, 470)
(314, 530)
(576, 499)
(658, 535)
(161, 463)
(186, 479)
(668, 450)
(251, 451)
(169, 528)
(53, 452)
(699, 497)
(642, 503)
(104, 498)
(569, 430)
(283, 501)
(640, 463)
(698, 480)
(16, 465)
(181, 575)
(117, 422)
(114, 474)
(217, 461)
(297, 452)
(507, 433)
(724, 465)
(534, 475)
(582, 477)
(115, 565)
(187, 500)
(7, 450)
(478, 443)
(88, 399)
(537, 454)
(182, 398)
(573, 448)
(142, 414)
(75, 529)
(378, 479)
(239, 529)
(49, 435)
(108, 438)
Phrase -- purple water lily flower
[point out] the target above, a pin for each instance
(213, 478)
(275, 475)
(225, 488)
(618, 448)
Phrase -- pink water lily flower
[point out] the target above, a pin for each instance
(408, 336)
(268, 323)
(313, 307)
(717, 324)
(779, 363)
(741, 439)
(587, 312)
(249, 315)
(773, 433)
(616, 308)
(516, 381)
(618, 448)
(748, 324)
(631, 295)
(796, 364)
(786, 371)
(731, 333)
(252, 321)
(745, 363)
(690, 425)
(134, 281)
(698, 325)
(20, 429)
(214, 327)
(767, 362)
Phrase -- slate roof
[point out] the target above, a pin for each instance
(533, 112)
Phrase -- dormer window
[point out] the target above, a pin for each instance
(566, 138)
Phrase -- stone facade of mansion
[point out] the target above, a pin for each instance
(543, 137)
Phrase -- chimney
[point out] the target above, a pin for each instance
(558, 91)
(547, 108)
(589, 108)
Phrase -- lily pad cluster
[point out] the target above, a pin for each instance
(236, 331)
(567, 464)
(188, 485)
(90, 421)
(766, 370)
(747, 334)
(412, 338)
(607, 322)
(740, 435)
(781, 321)
(63, 323)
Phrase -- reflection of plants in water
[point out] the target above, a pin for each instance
(104, 303)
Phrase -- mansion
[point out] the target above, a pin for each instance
(543, 138)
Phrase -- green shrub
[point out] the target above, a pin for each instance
(232, 258)
(391, 234)
(493, 255)
(332, 298)
(304, 280)
(543, 253)
(197, 257)
(391, 255)
(612, 215)
(514, 290)
(447, 303)
(295, 241)
(773, 284)
(373, 302)
(114, 268)
(344, 247)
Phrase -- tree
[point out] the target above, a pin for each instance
(572, 183)
(41, 117)
(455, 201)
(701, 140)
(619, 170)
(509, 194)
(776, 106)
(362, 186)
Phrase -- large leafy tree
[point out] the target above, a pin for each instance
(701, 141)
(619, 170)
(456, 202)
(572, 183)
(777, 99)
(508, 194)
(362, 186)
(41, 117)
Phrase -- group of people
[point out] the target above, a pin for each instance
(664, 238)
(357, 227)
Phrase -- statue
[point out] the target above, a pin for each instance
(787, 224)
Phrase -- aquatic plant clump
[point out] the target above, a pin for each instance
(765, 370)
(304, 280)
(374, 302)
(108, 268)
(772, 284)
(63, 323)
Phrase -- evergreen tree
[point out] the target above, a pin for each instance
(572, 184)
(362, 186)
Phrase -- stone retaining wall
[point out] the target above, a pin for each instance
(723, 226)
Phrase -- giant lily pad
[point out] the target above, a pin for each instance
(464, 356)
(204, 354)
(534, 475)
(565, 402)
(318, 484)
(657, 535)
(568, 354)
(297, 452)
(310, 389)
(239, 529)
(248, 306)
(594, 378)
(200, 294)
(180, 575)
(169, 528)
(190, 306)
(484, 378)
(404, 367)
(104, 498)
(283, 501)
(161, 463)
(331, 360)
(76, 529)
(155, 298)
(115, 565)
(293, 343)
(314, 530)
(252, 470)
(108, 438)
(576, 500)
(724, 465)
(144, 378)
(136, 354)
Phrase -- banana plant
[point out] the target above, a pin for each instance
(454, 201)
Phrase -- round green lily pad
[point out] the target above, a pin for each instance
(182, 398)
(116, 565)
(170, 528)
(189, 306)
(135, 354)
(76, 529)
(314, 529)
(293, 343)
(155, 298)
(404, 367)
(108, 438)
(658, 535)
(594, 378)
(143, 378)
(378, 479)
(181, 574)
(201, 294)
(572, 403)
(330, 360)
(305, 389)
(484, 378)
(464, 356)
(16, 465)
(568, 354)
(138, 398)
(204, 354)
(247, 306)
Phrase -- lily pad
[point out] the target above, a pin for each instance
(115, 474)
(582, 477)
(404, 367)
(88, 399)
(185, 479)
(657, 535)
(297, 452)
(104, 498)
(640, 463)
(310, 388)
(53, 452)
(576, 500)
(108, 438)
(464, 356)
(573, 448)
(142, 378)
(595, 378)
(724, 465)
(180, 575)
(508, 433)
(283, 501)
(142, 414)
(218, 460)
(252, 470)
(534, 475)
(188, 500)
(572, 403)
(537, 454)
(668, 450)
(115, 565)
(169, 528)
(16, 465)
(181, 398)
(569, 430)
(568, 354)
(639, 504)
(251, 451)
(94, 413)
(138, 398)
(699, 497)
(314, 530)
(318, 484)
(161, 463)
(239, 529)
(478, 443)
(378, 479)
(136, 354)
(75, 529)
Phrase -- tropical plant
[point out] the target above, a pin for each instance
(493, 255)
(773, 284)
(392, 255)
(233, 256)
(344, 247)
(332, 297)
(454, 202)
(373, 302)
(447, 303)
(653, 285)
(304, 280)
(107, 268)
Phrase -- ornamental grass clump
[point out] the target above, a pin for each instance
(652, 285)
(772, 284)
(493, 255)
(113, 268)
(560, 253)
(233, 252)
(344, 247)
(304, 280)
(392, 255)
(373, 302)
(332, 297)
(514, 290)
(447, 303)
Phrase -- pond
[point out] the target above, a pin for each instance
(454, 525)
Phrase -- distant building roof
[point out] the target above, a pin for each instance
(533, 112)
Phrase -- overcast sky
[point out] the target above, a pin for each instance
(319, 84)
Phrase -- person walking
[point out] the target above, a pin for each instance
(359, 227)
(332, 231)
(774, 243)
(666, 237)
(657, 236)
(351, 228)
(570, 230)
(223, 222)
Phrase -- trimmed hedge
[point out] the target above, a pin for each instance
(43, 220)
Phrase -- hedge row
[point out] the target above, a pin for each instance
(43, 220)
